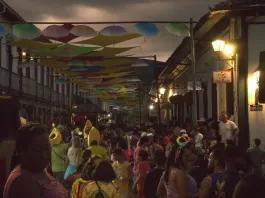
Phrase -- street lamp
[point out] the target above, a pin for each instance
(151, 107)
(162, 90)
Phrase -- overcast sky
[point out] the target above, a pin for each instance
(119, 10)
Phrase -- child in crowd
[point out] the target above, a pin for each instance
(142, 169)
(123, 171)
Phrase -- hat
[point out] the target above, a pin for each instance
(93, 135)
(144, 134)
(57, 138)
(87, 125)
(183, 131)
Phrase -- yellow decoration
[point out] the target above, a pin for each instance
(102, 40)
(53, 64)
(110, 51)
(114, 62)
(93, 135)
(113, 69)
(57, 138)
(31, 44)
(88, 125)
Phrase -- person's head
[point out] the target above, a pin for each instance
(257, 142)
(160, 158)
(155, 139)
(122, 144)
(179, 157)
(94, 143)
(118, 132)
(250, 186)
(143, 141)
(224, 117)
(118, 154)
(33, 147)
(142, 155)
(216, 159)
(103, 172)
(9, 117)
(76, 142)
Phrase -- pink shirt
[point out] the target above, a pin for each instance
(50, 189)
(142, 169)
(138, 148)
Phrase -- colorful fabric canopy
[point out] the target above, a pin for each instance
(102, 40)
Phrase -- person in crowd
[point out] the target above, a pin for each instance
(59, 151)
(257, 156)
(227, 128)
(155, 146)
(217, 164)
(93, 143)
(87, 128)
(251, 186)
(142, 169)
(74, 155)
(123, 170)
(227, 182)
(198, 139)
(171, 144)
(124, 147)
(30, 177)
(86, 156)
(153, 177)
(10, 123)
(101, 184)
(175, 181)
(84, 175)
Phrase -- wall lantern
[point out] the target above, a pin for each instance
(162, 90)
(151, 107)
(218, 45)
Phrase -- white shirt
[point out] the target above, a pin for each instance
(226, 130)
(74, 155)
(198, 140)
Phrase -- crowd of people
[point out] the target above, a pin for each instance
(81, 161)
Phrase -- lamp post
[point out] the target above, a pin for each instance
(228, 51)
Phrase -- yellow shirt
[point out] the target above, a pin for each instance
(122, 173)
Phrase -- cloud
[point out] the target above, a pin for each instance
(118, 10)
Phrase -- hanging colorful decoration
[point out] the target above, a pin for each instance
(26, 31)
(178, 29)
(3, 30)
(147, 29)
(113, 30)
(140, 63)
(59, 81)
(77, 63)
(55, 31)
(83, 31)
(26, 64)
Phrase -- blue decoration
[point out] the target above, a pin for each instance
(113, 31)
(59, 81)
(147, 29)
(85, 68)
(3, 30)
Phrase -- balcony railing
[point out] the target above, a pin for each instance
(29, 87)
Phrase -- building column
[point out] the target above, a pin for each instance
(221, 92)
(185, 111)
(201, 104)
(210, 98)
